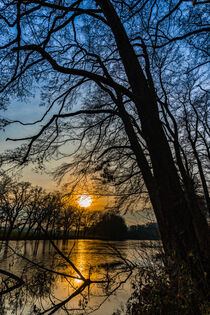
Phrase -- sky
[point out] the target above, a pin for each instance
(31, 111)
(26, 112)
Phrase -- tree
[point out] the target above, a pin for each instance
(24, 208)
(110, 226)
(66, 219)
(122, 54)
(15, 202)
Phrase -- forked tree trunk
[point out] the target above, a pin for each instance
(176, 220)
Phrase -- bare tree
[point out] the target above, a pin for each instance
(113, 48)
(14, 201)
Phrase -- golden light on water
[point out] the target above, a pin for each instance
(84, 201)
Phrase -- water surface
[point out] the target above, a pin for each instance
(112, 264)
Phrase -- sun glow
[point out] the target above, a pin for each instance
(84, 201)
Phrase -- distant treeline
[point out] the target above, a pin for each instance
(110, 227)
(113, 227)
(28, 212)
(144, 232)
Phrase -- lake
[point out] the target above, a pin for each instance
(50, 281)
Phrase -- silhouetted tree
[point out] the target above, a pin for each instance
(111, 226)
(17, 203)
(114, 58)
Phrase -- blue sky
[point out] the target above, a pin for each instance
(26, 112)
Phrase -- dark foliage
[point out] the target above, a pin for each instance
(144, 232)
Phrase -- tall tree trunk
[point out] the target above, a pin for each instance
(174, 217)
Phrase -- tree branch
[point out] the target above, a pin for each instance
(78, 72)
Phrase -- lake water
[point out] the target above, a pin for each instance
(45, 291)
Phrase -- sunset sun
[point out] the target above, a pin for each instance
(84, 201)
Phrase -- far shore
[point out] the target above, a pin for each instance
(43, 237)
(139, 232)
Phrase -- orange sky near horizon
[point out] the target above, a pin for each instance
(99, 202)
